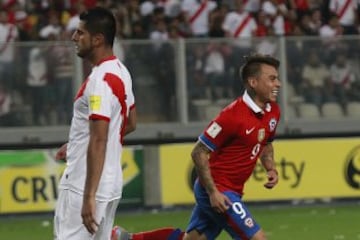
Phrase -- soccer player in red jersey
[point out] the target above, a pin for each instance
(226, 154)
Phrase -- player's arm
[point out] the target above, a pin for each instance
(267, 160)
(61, 153)
(95, 163)
(200, 155)
(131, 121)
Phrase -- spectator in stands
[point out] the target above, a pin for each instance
(157, 16)
(302, 7)
(214, 70)
(316, 20)
(198, 85)
(8, 35)
(262, 23)
(216, 20)
(276, 13)
(342, 77)
(316, 80)
(330, 33)
(330, 30)
(172, 8)
(182, 25)
(164, 68)
(197, 13)
(346, 11)
(37, 82)
(296, 52)
(62, 71)
(133, 14)
(305, 23)
(267, 44)
(159, 34)
(74, 20)
(5, 107)
(241, 27)
(53, 29)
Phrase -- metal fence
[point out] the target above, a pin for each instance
(181, 84)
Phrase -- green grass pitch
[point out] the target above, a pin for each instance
(310, 222)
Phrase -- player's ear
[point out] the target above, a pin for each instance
(98, 39)
(252, 82)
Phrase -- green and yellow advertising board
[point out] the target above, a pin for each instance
(308, 168)
(29, 179)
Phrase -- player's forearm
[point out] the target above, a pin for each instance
(200, 156)
(95, 164)
(131, 123)
(267, 157)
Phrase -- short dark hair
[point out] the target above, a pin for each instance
(100, 20)
(252, 65)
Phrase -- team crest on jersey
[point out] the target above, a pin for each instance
(261, 134)
(272, 124)
(213, 130)
(249, 222)
(95, 102)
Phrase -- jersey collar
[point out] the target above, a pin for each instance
(106, 59)
(253, 106)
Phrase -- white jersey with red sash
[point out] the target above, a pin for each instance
(345, 10)
(198, 14)
(241, 26)
(106, 95)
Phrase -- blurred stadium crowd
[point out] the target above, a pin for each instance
(41, 19)
(320, 71)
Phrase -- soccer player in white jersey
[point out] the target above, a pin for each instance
(104, 112)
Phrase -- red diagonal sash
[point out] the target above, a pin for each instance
(242, 25)
(198, 11)
(344, 8)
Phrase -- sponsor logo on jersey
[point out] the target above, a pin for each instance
(213, 130)
(249, 222)
(261, 134)
(272, 124)
(95, 103)
(248, 131)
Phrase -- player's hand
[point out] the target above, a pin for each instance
(219, 202)
(88, 214)
(273, 179)
(61, 153)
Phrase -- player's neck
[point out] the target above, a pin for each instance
(100, 55)
(256, 100)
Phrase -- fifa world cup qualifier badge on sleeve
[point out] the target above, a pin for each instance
(213, 130)
(95, 102)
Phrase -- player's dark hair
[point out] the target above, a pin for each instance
(100, 20)
(252, 65)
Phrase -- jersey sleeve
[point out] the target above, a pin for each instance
(130, 97)
(221, 129)
(274, 122)
(99, 100)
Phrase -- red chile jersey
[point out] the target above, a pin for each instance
(236, 137)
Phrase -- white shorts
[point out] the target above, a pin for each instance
(68, 222)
